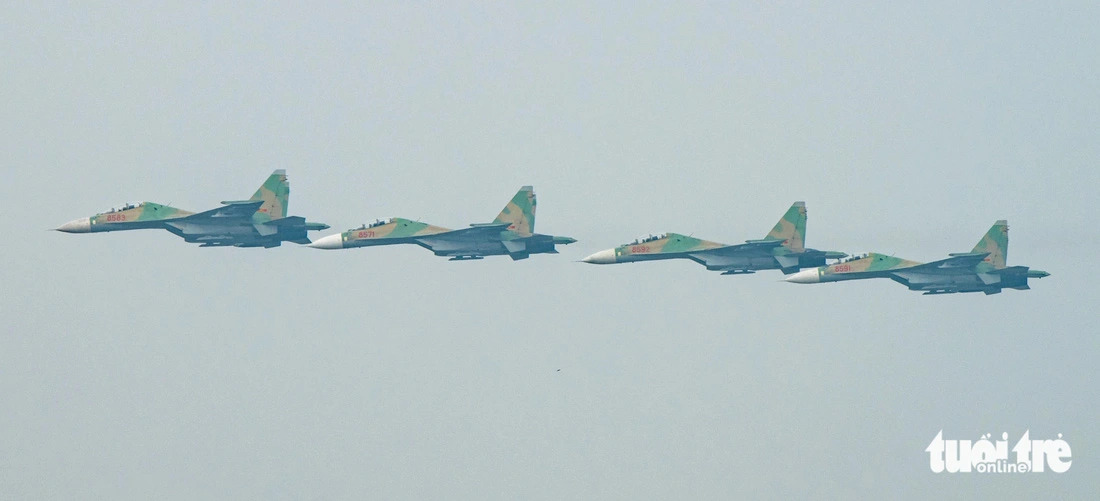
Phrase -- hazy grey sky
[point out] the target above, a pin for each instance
(133, 365)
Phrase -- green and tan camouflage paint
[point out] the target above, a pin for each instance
(670, 243)
(785, 243)
(520, 212)
(981, 270)
(791, 228)
(275, 192)
(995, 242)
(141, 212)
(393, 230)
(871, 264)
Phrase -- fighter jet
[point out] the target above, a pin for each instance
(782, 248)
(260, 221)
(512, 233)
(982, 269)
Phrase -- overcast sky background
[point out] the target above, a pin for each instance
(133, 365)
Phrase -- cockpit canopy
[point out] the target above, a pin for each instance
(124, 207)
(854, 257)
(375, 224)
(650, 238)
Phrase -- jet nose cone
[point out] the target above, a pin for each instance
(330, 242)
(82, 225)
(809, 276)
(606, 256)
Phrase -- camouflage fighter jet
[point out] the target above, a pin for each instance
(512, 233)
(982, 269)
(782, 249)
(260, 221)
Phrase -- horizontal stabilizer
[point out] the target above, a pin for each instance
(989, 278)
(514, 246)
(266, 230)
(517, 249)
(237, 202)
(788, 263)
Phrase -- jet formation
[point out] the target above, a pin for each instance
(512, 233)
(983, 269)
(781, 249)
(260, 221)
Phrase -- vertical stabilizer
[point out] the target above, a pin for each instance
(520, 212)
(995, 242)
(791, 228)
(275, 192)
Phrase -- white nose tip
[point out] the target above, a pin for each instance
(330, 242)
(809, 276)
(606, 256)
(82, 225)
